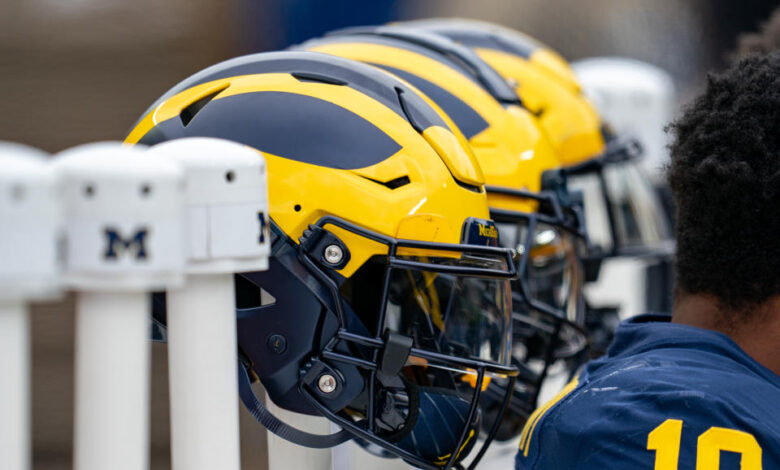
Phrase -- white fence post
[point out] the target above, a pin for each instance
(29, 233)
(227, 226)
(125, 237)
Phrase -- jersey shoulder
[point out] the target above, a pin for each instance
(622, 410)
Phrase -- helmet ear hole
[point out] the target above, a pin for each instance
(297, 208)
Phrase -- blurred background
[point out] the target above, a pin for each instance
(73, 71)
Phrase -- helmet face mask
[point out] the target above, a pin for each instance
(638, 222)
(623, 211)
(447, 313)
(548, 308)
(448, 304)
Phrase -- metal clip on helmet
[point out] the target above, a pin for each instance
(385, 291)
(526, 193)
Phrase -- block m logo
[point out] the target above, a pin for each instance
(116, 244)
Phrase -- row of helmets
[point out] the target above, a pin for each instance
(439, 195)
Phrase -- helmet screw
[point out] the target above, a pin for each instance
(277, 343)
(327, 383)
(334, 254)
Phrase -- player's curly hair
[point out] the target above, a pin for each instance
(725, 176)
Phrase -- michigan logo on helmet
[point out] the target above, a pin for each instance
(383, 295)
(517, 161)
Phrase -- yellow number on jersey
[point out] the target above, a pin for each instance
(665, 441)
(715, 440)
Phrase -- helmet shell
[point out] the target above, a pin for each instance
(541, 77)
(510, 146)
(321, 125)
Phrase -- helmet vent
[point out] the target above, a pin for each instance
(397, 182)
(407, 111)
(470, 187)
(194, 108)
(394, 183)
(317, 77)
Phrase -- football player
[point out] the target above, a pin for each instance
(698, 389)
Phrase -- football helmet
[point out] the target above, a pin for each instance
(539, 76)
(386, 291)
(548, 86)
(600, 166)
(528, 200)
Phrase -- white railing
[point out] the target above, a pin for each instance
(114, 223)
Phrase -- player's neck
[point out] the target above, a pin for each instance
(758, 334)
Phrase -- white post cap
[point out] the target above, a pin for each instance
(30, 224)
(124, 213)
(227, 203)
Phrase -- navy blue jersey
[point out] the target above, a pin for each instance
(665, 397)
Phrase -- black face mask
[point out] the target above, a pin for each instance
(411, 339)
(548, 309)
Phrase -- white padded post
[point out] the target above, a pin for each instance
(227, 225)
(29, 234)
(125, 237)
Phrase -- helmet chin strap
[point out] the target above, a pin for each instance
(276, 426)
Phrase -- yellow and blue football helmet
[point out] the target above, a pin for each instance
(600, 162)
(386, 290)
(628, 233)
(527, 195)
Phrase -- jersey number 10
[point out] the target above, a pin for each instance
(665, 441)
